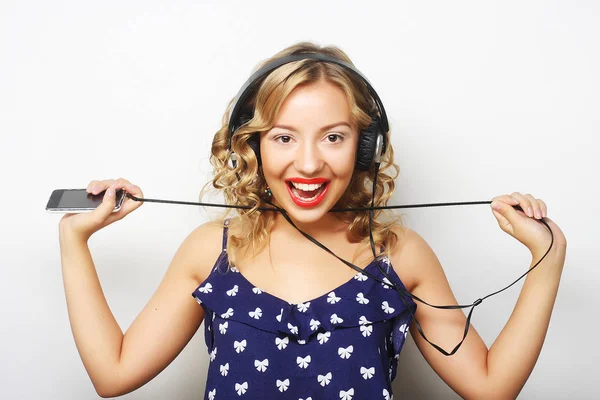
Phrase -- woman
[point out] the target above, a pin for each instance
(284, 319)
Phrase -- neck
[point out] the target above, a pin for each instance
(322, 228)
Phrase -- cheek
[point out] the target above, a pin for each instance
(273, 164)
(346, 161)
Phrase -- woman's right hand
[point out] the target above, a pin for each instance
(86, 224)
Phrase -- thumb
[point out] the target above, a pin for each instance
(108, 203)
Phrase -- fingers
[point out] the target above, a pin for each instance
(95, 187)
(133, 190)
(506, 199)
(110, 187)
(532, 207)
(543, 207)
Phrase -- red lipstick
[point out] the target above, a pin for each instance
(307, 181)
(301, 202)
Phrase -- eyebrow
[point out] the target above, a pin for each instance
(325, 128)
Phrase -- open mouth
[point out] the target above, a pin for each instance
(307, 194)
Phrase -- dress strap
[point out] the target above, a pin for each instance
(225, 229)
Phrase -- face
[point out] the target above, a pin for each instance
(308, 157)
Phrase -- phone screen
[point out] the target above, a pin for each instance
(79, 200)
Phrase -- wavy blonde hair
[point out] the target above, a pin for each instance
(249, 188)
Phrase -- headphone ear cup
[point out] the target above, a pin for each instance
(367, 141)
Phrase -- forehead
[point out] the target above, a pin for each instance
(319, 103)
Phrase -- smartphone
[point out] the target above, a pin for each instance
(79, 200)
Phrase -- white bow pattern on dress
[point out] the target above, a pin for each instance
(282, 343)
(224, 369)
(323, 337)
(261, 366)
(335, 319)
(293, 328)
(302, 307)
(361, 277)
(367, 373)
(346, 395)
(206, 288)
(241, 388)
(314, 324)
(239, 346)
(345, 352)
(283, 385)
(256, 314)
(228, 313)
(386, 307)
(223, 327)
(386, 395)
(324, 379)
(366, 330)
(332, 299)
(303, 362)
(362, 299)
(233, 291)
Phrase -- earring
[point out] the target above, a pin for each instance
(268, 192)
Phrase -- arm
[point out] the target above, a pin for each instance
(117, 363)
(523, 335)
(474, 371)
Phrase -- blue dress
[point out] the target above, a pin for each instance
(341, 345)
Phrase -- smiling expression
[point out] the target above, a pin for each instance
(308, 157)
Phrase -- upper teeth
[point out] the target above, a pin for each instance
(306, 187)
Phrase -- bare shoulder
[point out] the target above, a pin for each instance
(412, 258)
(201, 248)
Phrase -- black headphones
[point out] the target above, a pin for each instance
(372, 140)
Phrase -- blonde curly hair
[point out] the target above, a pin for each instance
(248, 189)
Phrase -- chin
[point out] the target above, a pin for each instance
(307, 216)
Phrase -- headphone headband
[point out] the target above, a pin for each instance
(240, 99)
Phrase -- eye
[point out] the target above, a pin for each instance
(335, 138)
(284, 139)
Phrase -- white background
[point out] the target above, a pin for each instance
(484, 98)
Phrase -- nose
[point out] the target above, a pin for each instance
(309, 159)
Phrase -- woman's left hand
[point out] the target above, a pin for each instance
(523, 225)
